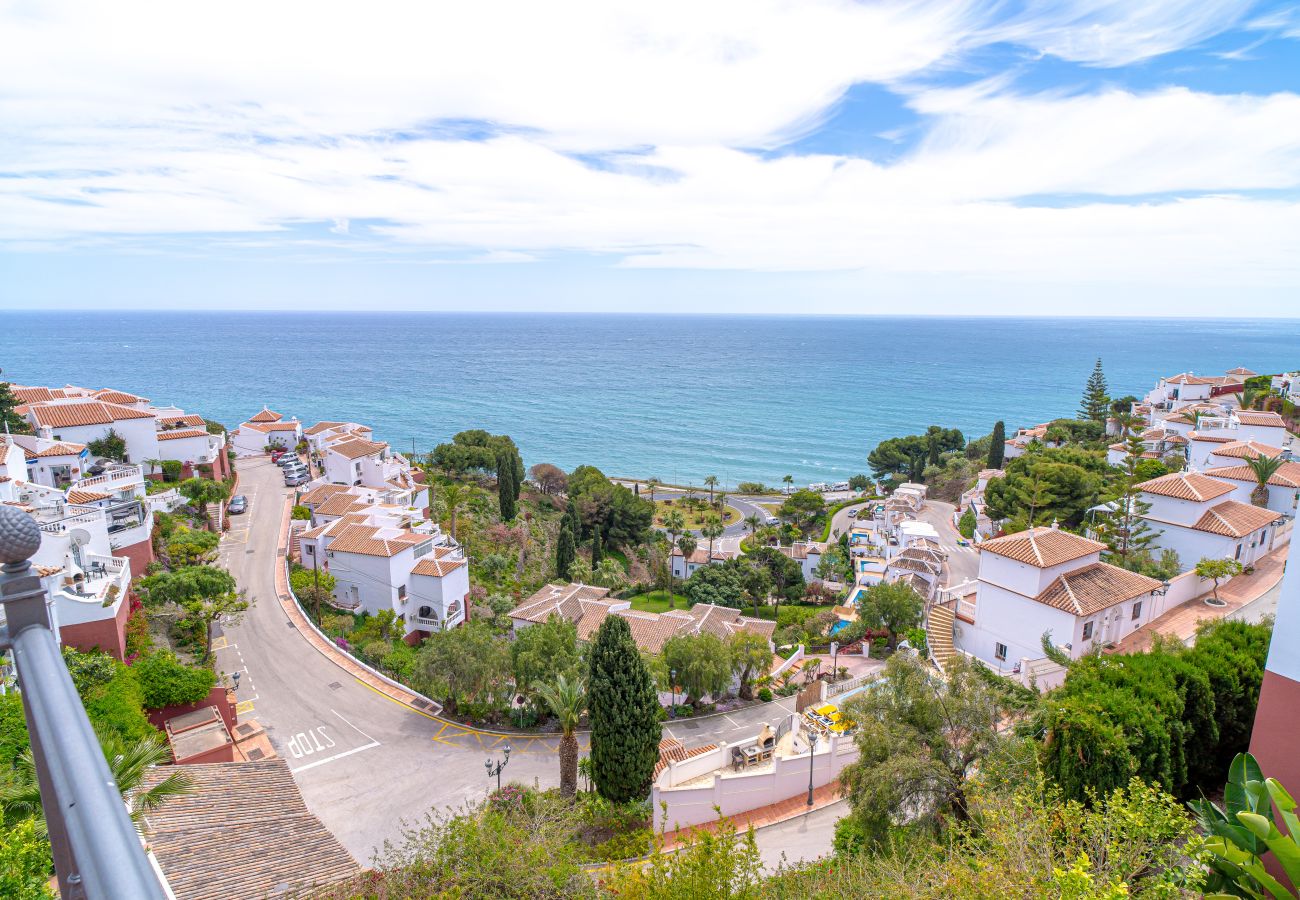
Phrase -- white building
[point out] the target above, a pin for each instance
(1283, 485)
(685, 568)
(1157, 443)
(1018, 443)
(808, 554)
(1193, 515)
(423, 577)
(1045, 580)
(266, 429)
(1242, 425)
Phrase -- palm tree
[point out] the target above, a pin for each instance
(721, 502)
(567, 701)
(674, 524)
(687, 544)
(712, 530)
(128, 763)
(453, 498)
(1263, 468)
(710, 481)
(753, 522)
(651, 485)
(789, 481)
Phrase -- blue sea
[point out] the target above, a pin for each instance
(676, 397)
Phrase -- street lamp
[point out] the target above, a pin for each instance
(494, 768)
(234, 676)
(672, 685)
(812, 748)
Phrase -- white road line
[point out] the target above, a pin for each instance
(321, 762)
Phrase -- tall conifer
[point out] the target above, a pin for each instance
(565, 552)
(998, 445)
(506, 492)
(624, 711)
(1096, 401)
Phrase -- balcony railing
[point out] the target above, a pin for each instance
(114, 478)
(96, 851)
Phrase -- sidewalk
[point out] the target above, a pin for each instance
(759, 818)
(1182, 621)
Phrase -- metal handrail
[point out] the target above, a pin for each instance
(97, 853)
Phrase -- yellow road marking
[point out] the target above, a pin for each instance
(219, 643)
(244, 706)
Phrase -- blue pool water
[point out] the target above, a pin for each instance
(838, 626)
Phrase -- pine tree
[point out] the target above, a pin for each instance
(506, 492)
(1096, 402)
(998, 445)
(1126, 532)
(624, 713)
(565, 552)
(10, 420)
(597, 551)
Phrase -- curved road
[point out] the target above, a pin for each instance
(365, 763)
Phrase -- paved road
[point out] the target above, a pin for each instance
(363, 762)
(808, 837)
(1262, 606)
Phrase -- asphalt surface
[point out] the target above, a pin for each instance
(801, 839)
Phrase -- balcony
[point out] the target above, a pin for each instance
(104, 583)
(118, 477)
(424, 624)
(60, 518)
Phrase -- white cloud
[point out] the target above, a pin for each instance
(250, 120)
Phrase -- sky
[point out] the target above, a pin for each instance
(976, 157)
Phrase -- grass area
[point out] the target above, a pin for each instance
(694, 516)
(621, 557)
(657, 601)
(790, 613)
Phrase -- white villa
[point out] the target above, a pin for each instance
(1193, 515)
(684, 568)
(266, 429)
(1157, 443)
(1044, 580)
(808, 554)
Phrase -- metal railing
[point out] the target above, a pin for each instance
(97, 853)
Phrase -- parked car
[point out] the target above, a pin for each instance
(853, 514)
(295, 477)
(297, 470)
(772, 520)
(238, 505)
(287, 459)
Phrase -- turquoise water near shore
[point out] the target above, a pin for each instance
(676, 397)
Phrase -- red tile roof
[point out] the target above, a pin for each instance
(1095, 587)
(1186, 486)
(1233, 519)
(89, 412)
(1042, 547)
(180, 434)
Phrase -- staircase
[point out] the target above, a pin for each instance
(938, 634)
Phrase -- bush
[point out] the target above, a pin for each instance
(166, 681)
(172, 469)
(300, 513)
(24, 862)
(111, 694)
(13, 731)
(765, 694)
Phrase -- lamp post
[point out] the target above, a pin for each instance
(234, 676)
(672, 685)
(494, 768)
(812, 749)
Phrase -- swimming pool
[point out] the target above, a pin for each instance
(838, 626)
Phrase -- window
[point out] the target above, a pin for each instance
(1087, 631)
(310, 548)
(1000, 651)
(401, 592)
(1238, 556)
(1137, 610)
(422, 549)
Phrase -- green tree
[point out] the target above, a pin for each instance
(201, 492)
(506, 492)
(187, 547)
(966, 524)
(920, 739)
(751, 656)
(580, 572)
(9, 420)
(204, 593)
(894, 606)
(1263, 468)
(313, 587)
(166, 681)
(712, 530)
(624, 712)
(609, 574)
(452, 496)
(1125, 529)
(711, 481)
(802, 506)
(110, 446)
(464, 665)
(997, 445)
(25, 862)
(909, 455)
(566, 552)
(566, 700)
(1048, 484)
(720, 584)
(1095, 404)
(1217, 570)
(596, 549)
(702, 662)
(544, 653)
(788, 481)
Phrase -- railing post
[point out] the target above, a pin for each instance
(97, 853)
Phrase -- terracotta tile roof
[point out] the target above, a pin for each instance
(355, 448)
(915, 565)
(436, 568)
(278, 426)
(1212, 438)
(180, 434)
(700, 555)
(1242, 370)
(1186, 486)
(266, 415)
(1255, 417)
(568, 601)
(189, 420)
(1186, 378)
(244, 831)
(1248, 450)
(1095, 587)
(55, 448)
(108, 395)
(86, 496)
(1233, 519)
(88, 412)
(322, 426)
(366, 540)
(321, 493)
(1042, 547)
(339, 504)
(47, 571)
(672, 750)
(1287, 475)
(31, 394)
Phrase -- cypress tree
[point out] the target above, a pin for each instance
(506, 492)
(1096, 402)
(575, 521)
(517, 474)
(597, 551)
(565, 552)
(998, 445)
(624, 713)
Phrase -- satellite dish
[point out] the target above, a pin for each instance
(79, 537)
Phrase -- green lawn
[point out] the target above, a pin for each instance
(694, 517)
(790, 614)
(657, 601)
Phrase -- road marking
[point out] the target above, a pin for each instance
(219, 644)
(245, 706)
(337, 756)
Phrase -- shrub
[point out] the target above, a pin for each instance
(111, 694)
(166, 681)
(172, 469)
(765, 694)
(13, 730)
(301, 513)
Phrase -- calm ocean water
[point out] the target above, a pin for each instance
(677, 397)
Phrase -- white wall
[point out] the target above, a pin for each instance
(374, 577)
(191, 450)
(439, 593)
(1003, 616)
(141, 436)
(1192, 545)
